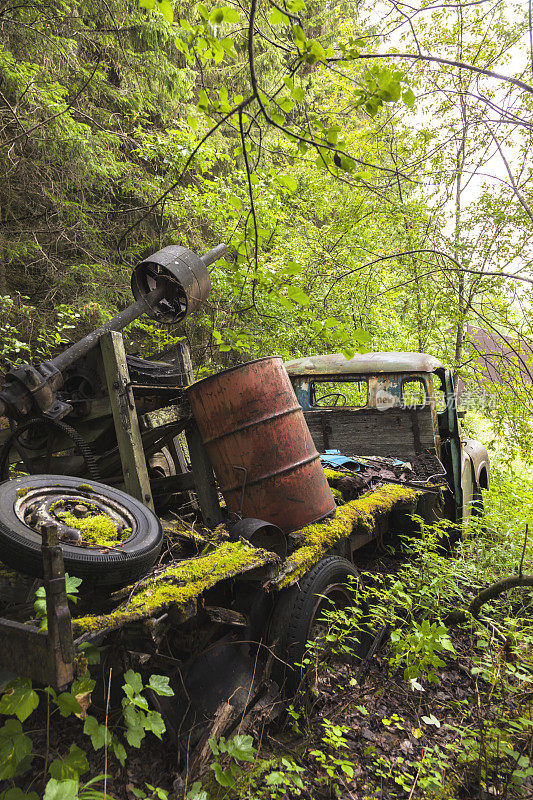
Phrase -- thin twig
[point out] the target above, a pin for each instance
(523, 552)
(105, 732)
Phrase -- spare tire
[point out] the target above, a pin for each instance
(22, 500)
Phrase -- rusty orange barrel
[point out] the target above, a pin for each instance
(255, 434)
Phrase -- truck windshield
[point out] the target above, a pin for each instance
(353, 394)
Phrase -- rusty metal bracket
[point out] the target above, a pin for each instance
(244, 479)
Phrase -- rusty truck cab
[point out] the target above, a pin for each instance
(392, 405)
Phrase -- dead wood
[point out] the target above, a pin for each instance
(490, 593)
(224, 716)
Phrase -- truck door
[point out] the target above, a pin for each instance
(455, 444)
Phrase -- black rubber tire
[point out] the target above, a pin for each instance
(294, 614)
(20, 546)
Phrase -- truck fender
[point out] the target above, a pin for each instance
(479, 459)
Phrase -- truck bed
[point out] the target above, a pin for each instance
(179, 589)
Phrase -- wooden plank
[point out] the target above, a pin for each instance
(125, 418)
(59, 638)
(393, 433)
(204, 480)
(205, 484)
(181, 482)
(183, 357)
(24, 651)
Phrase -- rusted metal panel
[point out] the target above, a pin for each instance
(260, 446)
(363, 364)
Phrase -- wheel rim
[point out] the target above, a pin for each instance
(75, 510)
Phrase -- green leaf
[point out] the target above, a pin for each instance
(15, 749)
(231, 14)
(17, 794)
(299, 35)
(286, 105)
(292, 268)
(166, 9)
(118, 749)
(147, 3)
(224, 14)
(82, 685)
(277, 117)
(298, 295)
(196, 792)
(72, 583)
(90, 652)
(277, 17)
(362, 337)
(134, 680)
(68, 704)
(216, 17)
(284, 303)
(61, 790)
(96, 731)
(135, 731)
(223, 776)
(203, 100)
(154, 722)
(19, 699)
(160, 685)
(348, 351)
(72, 766)
(298, 93)
(236, 202)
(408, 98)
(288, 181)
(135, 735)
(241, 747)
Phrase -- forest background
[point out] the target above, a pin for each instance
(368, 165)
(368, 203)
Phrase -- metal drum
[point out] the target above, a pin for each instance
(259, 444)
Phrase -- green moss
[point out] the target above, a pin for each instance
(96, 528)
(179, 584)
(333, 476)
(336, 493)
(85, 487)
(23, 491)
(358, 516)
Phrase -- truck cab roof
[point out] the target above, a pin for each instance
(363, 364)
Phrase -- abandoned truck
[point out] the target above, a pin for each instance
(252, 536)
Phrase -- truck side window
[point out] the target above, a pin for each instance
(326, 394)
(413, 393)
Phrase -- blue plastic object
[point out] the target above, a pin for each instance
(334, 458)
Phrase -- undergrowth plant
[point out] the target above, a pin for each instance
(61, 775)
(491, 742)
